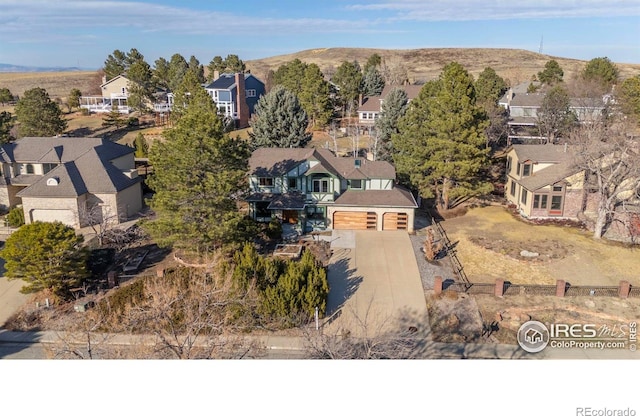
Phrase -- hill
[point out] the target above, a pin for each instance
(57, 84)
(18, 68)
(516, 65)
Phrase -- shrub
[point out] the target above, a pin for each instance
(133, 122)
(85, 111)
(274, 230)
(15, 217)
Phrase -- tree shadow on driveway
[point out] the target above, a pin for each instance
(343, 281)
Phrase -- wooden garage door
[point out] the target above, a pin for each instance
(394, 221)
(344, 220)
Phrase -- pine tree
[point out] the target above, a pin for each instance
(552, 73)
(6, 124)
(348, 77)
(489, 87)
(372, 82)
(195, 67)
(38, 115)
(393, 108)
(291, 76)
(142, 148)
(74, 98)
(113, 118)
(314, 96)
(279, 121)
(161, 73)
(602, 71)
(177, 69)
(46, 255)
(439, 149)
(115, 64)
(198, 173)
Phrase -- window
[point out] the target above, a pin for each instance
(321, 185)
(48, 167)
(556, 203)
(250, 93)
(518, 169)
(509, 161)
(293, 183)
(526, 169)
(315, 213)
(265, 181)
(513, 188)
(30, 169)
(540, 201)
(557, 188)
(355, 184)
(523, 197)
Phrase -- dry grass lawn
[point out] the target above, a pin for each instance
(490, 239)
(57, 84)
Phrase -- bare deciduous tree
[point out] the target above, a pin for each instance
(609, 153)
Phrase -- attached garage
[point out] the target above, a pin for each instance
(394, 221)
(346, 220)
(65, 216)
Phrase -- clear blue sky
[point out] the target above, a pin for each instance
(84, 32)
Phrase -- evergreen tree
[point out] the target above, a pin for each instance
(142, 148)
(161, 73)
(489, 87)
(195, 67)
(393, 108)
(372, 82)
(113, 118)
(279, 121)
(115, 64)
(178, 67)
(6, 124)
(439, 149)
(38, 116)
(291, 75)
(216, 64)
(141, 87)
(374, 61)
(552, 73)
(628, 95)
(314, 96)
(348, 78)
(5, 96)
(198, 173)
(601, 71)
(74, 98)
(46, 255)
(554, 115)
(231, 64)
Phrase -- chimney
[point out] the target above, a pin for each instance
(216, 74)
(104, 79)
(241, 102)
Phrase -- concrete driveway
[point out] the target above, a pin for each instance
(10, 297)
(373, 284)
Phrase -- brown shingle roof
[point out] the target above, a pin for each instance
(548, 153)
(396, 197)
(271, 161)
(59, 149)
(371, 104)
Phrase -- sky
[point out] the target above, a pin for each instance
(84, 32)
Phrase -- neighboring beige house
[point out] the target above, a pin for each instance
(315, 190)
(115, 91)
(542, 183)
(69, 179)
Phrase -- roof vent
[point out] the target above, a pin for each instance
(53, 181)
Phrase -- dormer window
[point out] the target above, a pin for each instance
(355, 184)
(526, 169)
(357, 163)
(30, 169)
(265, 182)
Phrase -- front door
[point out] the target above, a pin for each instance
(290, 216)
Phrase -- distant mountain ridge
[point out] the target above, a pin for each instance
(20, 68)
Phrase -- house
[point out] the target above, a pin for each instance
(542, 182)
(315, 190)
(114, 92)
(70, 179)
(523, 109)
(370, 109)
(236, 96)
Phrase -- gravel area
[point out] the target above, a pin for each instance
(428, 270)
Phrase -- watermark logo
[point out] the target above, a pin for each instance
(533, 336)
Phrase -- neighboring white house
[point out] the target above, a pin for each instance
(114, 92)
(316, 190)
(370, 109)
(70, 179)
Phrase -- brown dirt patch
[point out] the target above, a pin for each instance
(454, 317)
(489, 240)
